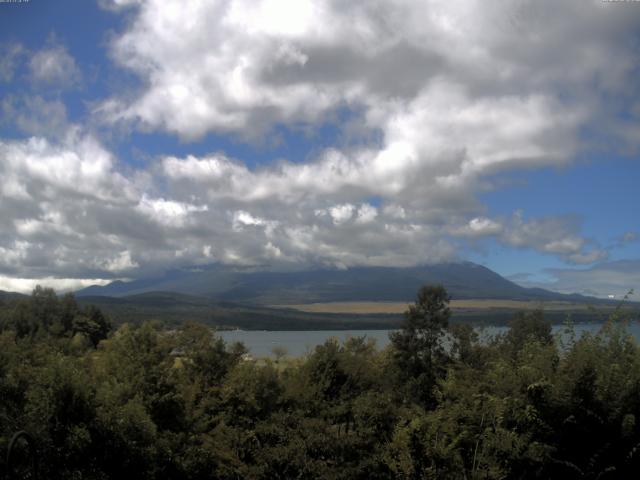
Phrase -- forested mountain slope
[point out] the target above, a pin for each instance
(462, 280)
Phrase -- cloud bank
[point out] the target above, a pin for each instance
(440, 96)
(617, 278)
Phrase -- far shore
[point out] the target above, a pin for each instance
(456, 305)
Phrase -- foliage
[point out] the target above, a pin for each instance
(148, 402)
(418, 346)
(45, 315)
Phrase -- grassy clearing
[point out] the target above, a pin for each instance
(399, 307)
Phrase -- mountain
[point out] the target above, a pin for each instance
(463, 280)
(4, 295)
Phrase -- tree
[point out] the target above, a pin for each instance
(417, 345)
(207, 357)
(45, 306)
(528, 327)
(93, 324)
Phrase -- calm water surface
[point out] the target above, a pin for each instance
(261, 343)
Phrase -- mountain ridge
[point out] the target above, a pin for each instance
(463, 280)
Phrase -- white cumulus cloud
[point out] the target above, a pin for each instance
(439, 95)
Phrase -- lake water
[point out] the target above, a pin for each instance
(261, 343)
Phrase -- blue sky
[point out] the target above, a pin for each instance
(600, 192)
(142, 135)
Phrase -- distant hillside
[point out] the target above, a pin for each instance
(9, 295)
(463, 280)
(176, 308)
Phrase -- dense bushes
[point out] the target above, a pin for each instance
(144, 402)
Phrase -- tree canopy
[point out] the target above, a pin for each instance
(144, 401)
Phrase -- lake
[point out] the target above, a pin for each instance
(261, 343)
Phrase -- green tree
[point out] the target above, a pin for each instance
(45, 307)
(93, 324)
(418, 348)
(526, 327)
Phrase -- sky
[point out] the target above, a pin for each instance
(138, 136)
